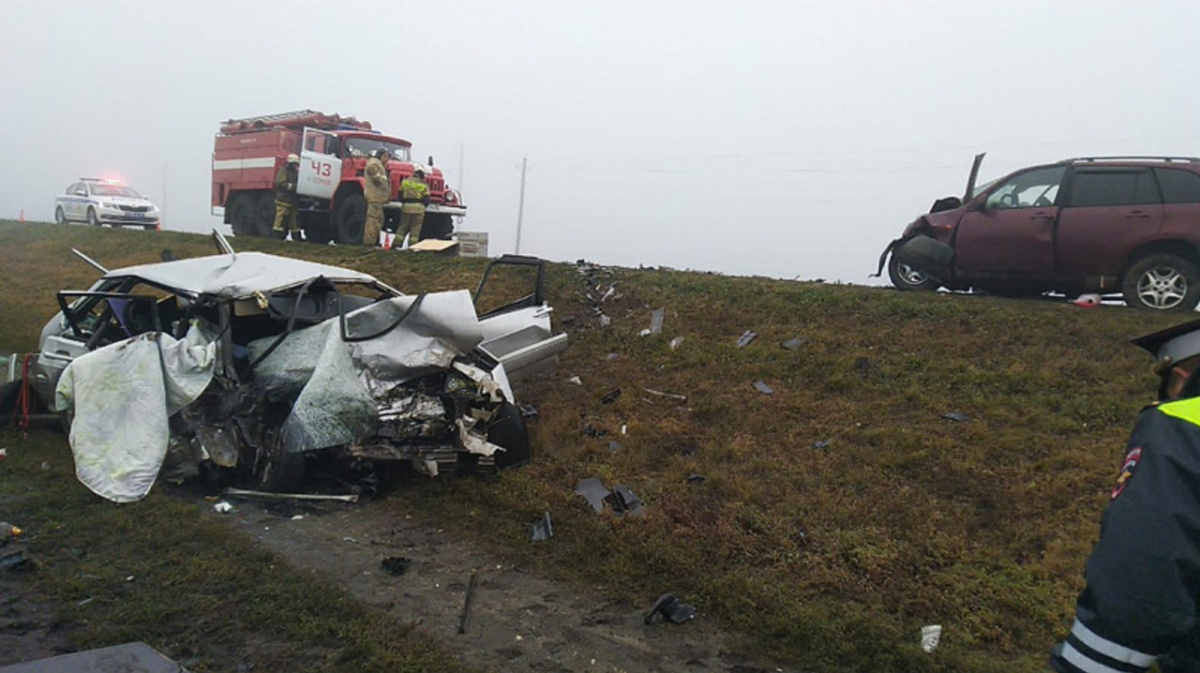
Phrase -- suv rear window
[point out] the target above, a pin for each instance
(1179, 186)
(1113, 188)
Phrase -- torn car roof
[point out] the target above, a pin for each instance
(239, 275)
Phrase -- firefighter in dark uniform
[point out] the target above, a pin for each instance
(285, 198)
(1143, 577)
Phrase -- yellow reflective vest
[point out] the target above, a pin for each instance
(414, 194)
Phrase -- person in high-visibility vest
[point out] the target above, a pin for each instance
(285, 198)
(414, 196)
(378, 191)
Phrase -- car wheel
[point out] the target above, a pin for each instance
(59, 216)
(1162, 282)
(241, 216)
(91, 217)
(349, 219)
(508, 430)
(906, 277)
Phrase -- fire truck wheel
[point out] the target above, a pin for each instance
(91, 217)
(437, 226)
(349, 218)
(241, 216)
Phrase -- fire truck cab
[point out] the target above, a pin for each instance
(333, 152)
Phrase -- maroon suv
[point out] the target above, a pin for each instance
(1104, 224)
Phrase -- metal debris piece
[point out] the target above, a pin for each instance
(623, 501)
(694, 478)
(614, 446)
(793, 344)
(576, 380)
(133, 657)
(746, 338)
(13, 559)
(612, 357)
(656, 320)
(608, 294)
(676, 342)
(543, 529)
(822, 443)
(611, 396)
(594, 492)
(241, 493)
(605, 321)
(670, 396)
(762, 387)
(222, 507)
(527, 410)
(470, 599)
(395, 565)
(671, 609)
(956, 417)
(930, 637)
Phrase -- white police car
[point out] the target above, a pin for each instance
(109, 202)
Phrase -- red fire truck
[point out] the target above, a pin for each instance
(333, 153)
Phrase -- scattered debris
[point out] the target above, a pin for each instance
(656, 320)
(470, 599)
(697, 479)
(794, 343)
(222, 507)
(8, 532)
(13, 559)
(543, 529)
(612, 357)
(576, 380)
(822, 443)
(746, 338)
(527, 410)
(605, 321)
(1087, 300)
(624, 428)
(592, 431)
(614, 446)
(956, 417)
(623, 501)
(594, 492)
(659, 393)
(930, 637)
(3, 454)
(611, 396)
(137, 656)
(762, 387)
(671, 609)
(395, 565)
(297, 517)
(263, 495)
(85, 601)
(676, 342)
(45, 466)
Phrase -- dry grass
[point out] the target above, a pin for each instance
(830, 558)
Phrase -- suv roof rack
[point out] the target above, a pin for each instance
(1132, 157)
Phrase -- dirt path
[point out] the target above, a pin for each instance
(518, 621)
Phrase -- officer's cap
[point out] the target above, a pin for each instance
(1172, 345)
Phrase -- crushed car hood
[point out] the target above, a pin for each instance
(238, 276)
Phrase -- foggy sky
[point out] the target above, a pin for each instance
(787, 139)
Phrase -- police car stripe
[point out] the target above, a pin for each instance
(1110, 649)
(1084, 663)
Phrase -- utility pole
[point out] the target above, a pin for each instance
(521, 207)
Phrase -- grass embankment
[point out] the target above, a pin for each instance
(830, 558)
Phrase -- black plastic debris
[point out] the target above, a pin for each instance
(542, 530)
(395, 565)
(527, 410)
(614, 446)
(697, 479)
(794, 343)
(671, 609)
(762, 387)
(956, 417)
(611, 396)
(13, 559)
(623, 501)
(594, 492)
(746, 338)
(592, 431)
(822, 443)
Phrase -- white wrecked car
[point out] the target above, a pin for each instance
(250, 367)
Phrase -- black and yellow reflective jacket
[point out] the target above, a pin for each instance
(1143, 577)
(285, 183)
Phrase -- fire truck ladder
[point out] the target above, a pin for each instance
(269, 120)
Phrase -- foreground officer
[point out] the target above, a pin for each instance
(1143, 577)
(285, 198)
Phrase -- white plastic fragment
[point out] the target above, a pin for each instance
(930, 636)
(297, 517)
(222, 507)
(576, 380)
(676, 342)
